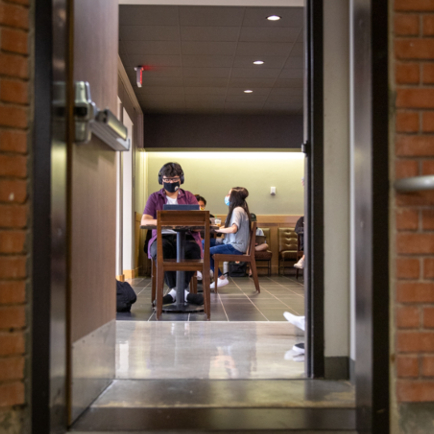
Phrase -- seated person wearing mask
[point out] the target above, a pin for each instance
(171, 176)
(202, 203)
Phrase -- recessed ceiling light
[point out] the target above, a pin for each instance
(274, 18)
(248, 91)
(258, 62)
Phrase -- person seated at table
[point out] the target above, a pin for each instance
(236, 230)
(202, 203)
(171, 176)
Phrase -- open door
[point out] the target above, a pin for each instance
(92, 205)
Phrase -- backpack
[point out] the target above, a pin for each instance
(237, 269)
(125, 296)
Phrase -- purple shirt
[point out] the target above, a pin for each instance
(155, 203)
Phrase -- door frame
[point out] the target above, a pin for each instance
(314, 189)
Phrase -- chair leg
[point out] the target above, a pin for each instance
(296, 273)
(160, 287)
(255, 276)
(193, 284)
(153, 281)
(216, 275)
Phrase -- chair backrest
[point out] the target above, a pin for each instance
(288, 239)
(267, 235)
(251, 247)
(186, 219)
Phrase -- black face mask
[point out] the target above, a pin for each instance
(171, 187)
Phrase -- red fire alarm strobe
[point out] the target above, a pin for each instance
(139, 75)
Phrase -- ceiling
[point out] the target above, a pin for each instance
(200, 58)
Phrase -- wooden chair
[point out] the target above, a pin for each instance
(184, 219)
(249, 257)
(193, 282)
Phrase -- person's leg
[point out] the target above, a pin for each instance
(224, 249)
(169, 252)
(192, 251)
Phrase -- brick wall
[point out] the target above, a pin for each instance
(14, 209)
(413, 56)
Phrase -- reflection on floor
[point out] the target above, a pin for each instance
(207, 350)
(237, 301)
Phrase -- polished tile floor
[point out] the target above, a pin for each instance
(207, 350)
(237, 301)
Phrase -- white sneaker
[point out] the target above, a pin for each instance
(298, 348)
(199, 275)
(222, 282)
(298, 321)
(300, 264)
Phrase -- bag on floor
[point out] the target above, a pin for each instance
(125, 296)
(237, 269)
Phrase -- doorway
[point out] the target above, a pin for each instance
(315, 96)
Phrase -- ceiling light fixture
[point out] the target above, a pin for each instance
(248, 91)
(274, 18)
(258, 62)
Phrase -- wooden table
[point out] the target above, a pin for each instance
(181, 231)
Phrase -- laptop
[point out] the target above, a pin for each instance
(180, 207)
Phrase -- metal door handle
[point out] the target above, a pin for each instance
(103, 123)
(415, 183)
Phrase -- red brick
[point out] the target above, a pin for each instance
(14, 191)
(21, 2)
(11, 394)
(428, 219)
(12, 317)
(406, 25)
(427, 167)
(13, 165)
(414, 5)
(13, 117)
(428, 25)
(415, 391)
(407, 317)
(407, 219)
(428, 122)
(13, 141)
(13, 216)
(428, 317)
(12, 241)
(12, 368)
(406, 268)
(415, 98)
(407, 366)
(11, 343)
(407, 122)
(407, 73)
(428, 366)
(14, 65)
(12, 267)
(414, 49)
(14, 40)
(14, 16)
(12, 292)
(14, 91)
(428, 268)
(415, 292)
(414, 342)
(406, 168)
(428, 73)
(422, 198)
(415, 146)
(415, 243)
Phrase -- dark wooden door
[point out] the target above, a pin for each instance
(92, 211)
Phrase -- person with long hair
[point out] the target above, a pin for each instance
(236, 230)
